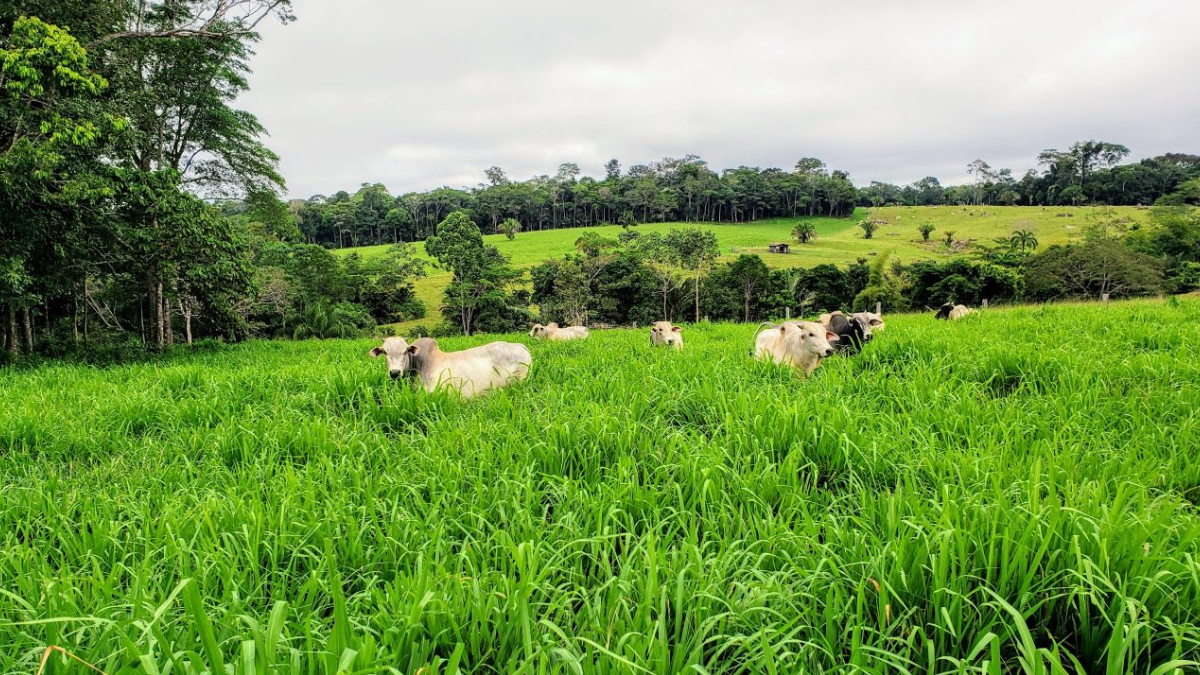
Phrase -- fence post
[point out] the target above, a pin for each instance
(1104, 298)
(879, 308)
(985, 303)
(787, 313)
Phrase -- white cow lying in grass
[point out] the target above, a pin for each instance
(663, 334)
(554, 333)
(800, 344)
(470, 372)
(951, 312)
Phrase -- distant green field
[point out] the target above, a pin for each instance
(839, 241)
(939, 504)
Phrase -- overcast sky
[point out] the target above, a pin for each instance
(417, 95)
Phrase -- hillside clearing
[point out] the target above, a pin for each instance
(839, 240)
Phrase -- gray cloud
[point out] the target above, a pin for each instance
(418, 95)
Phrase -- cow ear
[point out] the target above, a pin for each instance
(413, 349)
(832, 336)
(677, 329)
(377, 352)
(782, 329)
(876, 322)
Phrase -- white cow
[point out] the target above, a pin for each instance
(800, 344)
(873, 319)
(953, 312)
(470, 372)
(554, 333)
(663, 334)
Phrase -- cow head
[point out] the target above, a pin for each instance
(399, 355)
(537, 331)
(944, 312)
(663, 333)
(866, 323)
(808, 338)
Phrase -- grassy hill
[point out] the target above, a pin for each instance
(936, 504)
(839, 241)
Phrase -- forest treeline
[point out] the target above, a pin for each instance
(688, 190)
(116, 116)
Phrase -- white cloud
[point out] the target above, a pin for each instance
(416, 95)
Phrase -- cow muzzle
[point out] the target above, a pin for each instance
(829, 352)
(395, 374)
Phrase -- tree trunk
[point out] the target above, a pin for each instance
(168, 334)
(154, 301)
(13, 346)
(28, 325)
(697, 286)
(186, 310)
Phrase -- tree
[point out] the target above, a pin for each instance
(1022, 239)
(1092, 269)
(751, 274)
(804, 231)
(926, 230)
(1081, 161)
(510, 227)
(982, 173)
(481, 273)
(50, 128)
(882, 287)
(663, 262)
(693, 249)
(495, 175)
(612, 170)
(948, 237)
(868, 227)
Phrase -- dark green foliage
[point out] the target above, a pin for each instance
(883, 287)
(1090, 270)
(931, 283)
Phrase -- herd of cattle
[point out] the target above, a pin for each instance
(799, 344)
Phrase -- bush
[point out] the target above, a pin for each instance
(931, 283)
(1090, 270)
(342, 320)
(882, 288)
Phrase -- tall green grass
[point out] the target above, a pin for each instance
(1010, 493)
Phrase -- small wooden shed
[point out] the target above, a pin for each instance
(778, 248)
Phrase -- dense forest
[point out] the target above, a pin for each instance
(139, 208)
(687, 190)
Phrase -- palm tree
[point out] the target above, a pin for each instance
(509, 228)
(804, 232)
(926, 230)
(1023, 238)
(868, 228)
(949, 238)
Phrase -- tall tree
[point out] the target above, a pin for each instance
(694, 250)
(50, 126)
(751, 274)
